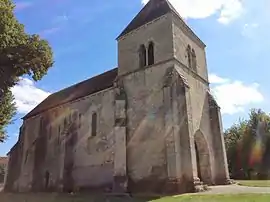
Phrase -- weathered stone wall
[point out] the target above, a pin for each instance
(148, 127)
(94, 156)
(68, 149)
(12, 182)
(199, 102)
(146, 101)
(182, 37)
(221, 164)
(159, 31)
(199, 112)
(30, 132)
(146, 152)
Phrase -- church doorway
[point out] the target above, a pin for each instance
(198, 162)
(203, 158)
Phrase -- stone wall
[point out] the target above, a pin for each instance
(156, 115)
(145, 140)
(59, 143)
(181, 39)
(202, 119)
(158, 31)
(94, 156)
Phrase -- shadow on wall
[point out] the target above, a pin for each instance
(70, 198)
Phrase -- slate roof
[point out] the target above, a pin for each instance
(151, 11)
(82, 89)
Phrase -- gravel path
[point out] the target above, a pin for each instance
(236, 189)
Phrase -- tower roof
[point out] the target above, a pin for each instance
(151, 11)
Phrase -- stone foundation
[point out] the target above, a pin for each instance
(120, 184)
(161, 186)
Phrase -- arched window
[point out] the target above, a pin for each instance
(194, 60)
(151, 58)
(142, 56)
(94, 124)
(189, 56)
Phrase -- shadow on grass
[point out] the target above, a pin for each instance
(56, 197)
(6, 197)
(254, 183)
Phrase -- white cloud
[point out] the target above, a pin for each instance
(227, 10)
(214, 79)
(249, 30)
(234, 96)
(27, 95)
(255, 21)
(230, 10)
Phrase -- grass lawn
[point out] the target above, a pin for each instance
(254, 183)
(218, 198)
(183, 198)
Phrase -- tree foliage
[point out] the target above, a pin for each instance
(2, 173)
(7, 111)
(20, 54)
(248, 145)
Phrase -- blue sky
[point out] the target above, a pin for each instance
(82, 34)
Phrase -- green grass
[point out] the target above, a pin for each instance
(218, 198)
(254, 183)
(183, 198)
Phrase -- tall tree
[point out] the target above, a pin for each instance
(248, 145)
(7, 111)
(20, 54)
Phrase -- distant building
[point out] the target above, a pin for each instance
(149, 125)
(3, 165)
(4, 161)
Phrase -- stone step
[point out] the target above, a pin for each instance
(201, 188)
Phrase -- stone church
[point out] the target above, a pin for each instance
(149, 125)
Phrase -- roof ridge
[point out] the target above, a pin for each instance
(87, 87)
(173, 8)
(151, 11)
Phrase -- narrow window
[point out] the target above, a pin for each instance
(59, 129)
(189, 56)
(194, 60)
(94, 124)
(151, 58)
(65, 123)
(47, 179)
(80, 119)
(142, 56)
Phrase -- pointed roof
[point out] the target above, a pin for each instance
(151, 11)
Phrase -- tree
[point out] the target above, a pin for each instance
(248, 145)
(7, 111)
(2, 173)
(20, 54)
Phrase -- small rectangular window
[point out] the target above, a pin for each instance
(80, 120)
(94, 124)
